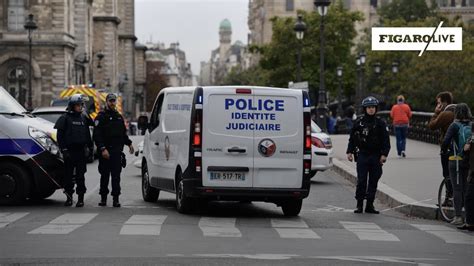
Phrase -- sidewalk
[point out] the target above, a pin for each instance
(409, 184)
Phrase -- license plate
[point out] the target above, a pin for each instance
(227, 176)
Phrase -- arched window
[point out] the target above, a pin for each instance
(16, 15)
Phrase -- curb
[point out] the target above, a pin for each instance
(394, 199)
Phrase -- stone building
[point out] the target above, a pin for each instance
(61, 47)
(224, 58)
(77, 41)
(140, 78)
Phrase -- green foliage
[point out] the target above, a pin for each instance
(279, 58)
(408, 10)
(253, 76)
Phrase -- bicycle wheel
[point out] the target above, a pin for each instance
(445, 204)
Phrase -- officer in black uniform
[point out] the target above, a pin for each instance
(110, 136)
(75, 142)
(369, 145)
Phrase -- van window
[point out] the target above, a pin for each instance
(156, 115)
(176, 107)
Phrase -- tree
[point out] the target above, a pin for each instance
(409, 10)
(278, 58)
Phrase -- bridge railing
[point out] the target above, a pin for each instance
(418, 126)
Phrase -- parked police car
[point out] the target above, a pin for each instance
(229, 143)
(30, 166)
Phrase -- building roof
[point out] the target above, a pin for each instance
(225, 25)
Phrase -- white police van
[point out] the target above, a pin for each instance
(229, 143)
(30, 163)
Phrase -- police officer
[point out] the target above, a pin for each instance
(75, 142)
(369, 145)
(110, 136)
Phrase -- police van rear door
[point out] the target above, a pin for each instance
(227, 141)
(278, 138)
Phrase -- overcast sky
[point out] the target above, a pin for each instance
(194, 23)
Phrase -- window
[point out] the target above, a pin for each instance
(290, 5)
(16, 15)
(156, 115)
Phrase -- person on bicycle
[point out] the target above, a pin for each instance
(457, 136)
(442, 118)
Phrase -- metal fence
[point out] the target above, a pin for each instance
(418, 127)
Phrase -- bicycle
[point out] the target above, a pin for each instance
(445, 205)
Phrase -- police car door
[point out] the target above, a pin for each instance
(228, 145)
(278, 153)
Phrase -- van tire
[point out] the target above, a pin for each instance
(18, 178)
(183, 202)
(149, 193)
(292, 207)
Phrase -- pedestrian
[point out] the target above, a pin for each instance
(469, 197)
(75, 143)
(458, 134)
(110, 136)
(369, 145)
(401, 114)
(442, 118)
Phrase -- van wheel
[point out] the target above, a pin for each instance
(183, 203)
(14, 184)
(149, 193)
(292, 207)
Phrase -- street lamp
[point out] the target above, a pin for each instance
(299, 28)
(339, 96)
(30, 26)
(362, 57)
(322, 6)
(378, 72)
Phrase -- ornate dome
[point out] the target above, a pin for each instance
(225, 25)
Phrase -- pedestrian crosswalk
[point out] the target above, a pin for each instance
(227, 227)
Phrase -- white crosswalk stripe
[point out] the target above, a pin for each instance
(449, 235)
(7, 218)
(219, 227)
(143, 225)
(65, 224)
(369, 231)
(293, 228)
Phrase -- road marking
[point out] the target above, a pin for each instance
(369, 231)
(65, 224)
(449, 235)
(143, 225)
(7, 218)
(293, 228)
(219, 227)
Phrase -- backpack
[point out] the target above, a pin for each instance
(463, 135)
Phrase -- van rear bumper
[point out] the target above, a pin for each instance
(193, 188)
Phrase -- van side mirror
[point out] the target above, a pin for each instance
(142, 122)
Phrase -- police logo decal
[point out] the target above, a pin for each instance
(267, 147)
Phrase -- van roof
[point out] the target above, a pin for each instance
(192, 88)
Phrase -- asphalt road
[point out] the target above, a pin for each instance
(227, 233)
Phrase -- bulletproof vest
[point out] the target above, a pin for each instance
(368, 135)
(113, 127)
(77, 130)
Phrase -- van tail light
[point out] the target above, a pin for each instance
(197, 132)
(243, 91)
(317, 142)
(307, 141)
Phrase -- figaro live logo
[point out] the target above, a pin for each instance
(417, 39)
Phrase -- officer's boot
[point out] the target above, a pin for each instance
(369, 208)
(360, 206)
(116, 202)
(68, 202)
(103, 200)
(80, 200)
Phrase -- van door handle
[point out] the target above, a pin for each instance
(236, 149)
(157, 143)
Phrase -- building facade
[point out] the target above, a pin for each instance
(224, 58)
(76, 42)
